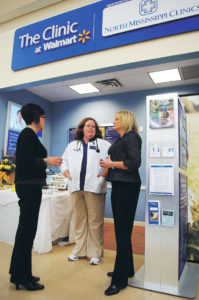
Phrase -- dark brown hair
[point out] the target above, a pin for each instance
(31, 113)
(79, 131)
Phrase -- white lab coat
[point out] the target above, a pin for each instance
(72, 161)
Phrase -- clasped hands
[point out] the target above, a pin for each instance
(105, 165)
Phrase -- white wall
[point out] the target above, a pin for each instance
(168, 46)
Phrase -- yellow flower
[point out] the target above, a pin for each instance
(4, 176)
(7, 167)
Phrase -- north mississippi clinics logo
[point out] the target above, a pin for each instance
(52, 37)
(148, 7)
(145, 8)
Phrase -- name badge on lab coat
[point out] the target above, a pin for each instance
(92, 147)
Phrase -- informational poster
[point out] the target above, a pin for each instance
(191, 107)
(14, 125)
(168, 149)
(161, 179)
(168, 218)
(155, 149)
(108, 133)
(154, 212)
(102, 129)
(182, 137)
(161, 113)
(161, 149)
(11, 142)
(183, 221)
(72, 132)
(16, 121)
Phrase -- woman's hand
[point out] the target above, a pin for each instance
(103, 173)
(112, 164)
(106, 164)
(67, 174)
(54, 161)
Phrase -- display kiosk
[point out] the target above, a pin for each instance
(165, 269)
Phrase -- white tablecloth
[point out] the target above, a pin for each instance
(9, 216)
(54, 218)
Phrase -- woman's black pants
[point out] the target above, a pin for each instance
(29, 203)
(124, 198)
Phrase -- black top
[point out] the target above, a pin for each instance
(128, 150)
(30, 166)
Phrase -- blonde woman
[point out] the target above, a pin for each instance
(122, 164)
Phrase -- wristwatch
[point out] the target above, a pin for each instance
(45, 161)
(112, 167)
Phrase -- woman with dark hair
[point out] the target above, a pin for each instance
(30, 176)
(123, 163)
(88, 189)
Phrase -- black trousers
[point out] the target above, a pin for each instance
(29, 203)
(124, 198)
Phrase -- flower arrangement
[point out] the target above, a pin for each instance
(3, 177)
(7, 167)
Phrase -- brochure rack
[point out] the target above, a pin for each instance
(165, 269)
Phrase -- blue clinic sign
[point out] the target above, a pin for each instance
(103, 25)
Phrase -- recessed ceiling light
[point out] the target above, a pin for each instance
(84, 88)
(165, 76)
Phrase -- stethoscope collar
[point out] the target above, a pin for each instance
(79, 142)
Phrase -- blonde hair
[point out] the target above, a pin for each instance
(128, 120)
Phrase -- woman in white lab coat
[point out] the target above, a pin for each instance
(87, 185)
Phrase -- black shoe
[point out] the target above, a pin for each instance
(35, 278)
(39, 286)
(113, 289)
(29, 285)
(110, 274)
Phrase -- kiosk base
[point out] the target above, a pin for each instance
(187, 287)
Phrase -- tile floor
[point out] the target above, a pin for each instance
(66, 280)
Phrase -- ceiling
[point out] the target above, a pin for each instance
(12, 9)
(131, 80)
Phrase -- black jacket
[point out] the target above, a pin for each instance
(29, 157)
(128, 150)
